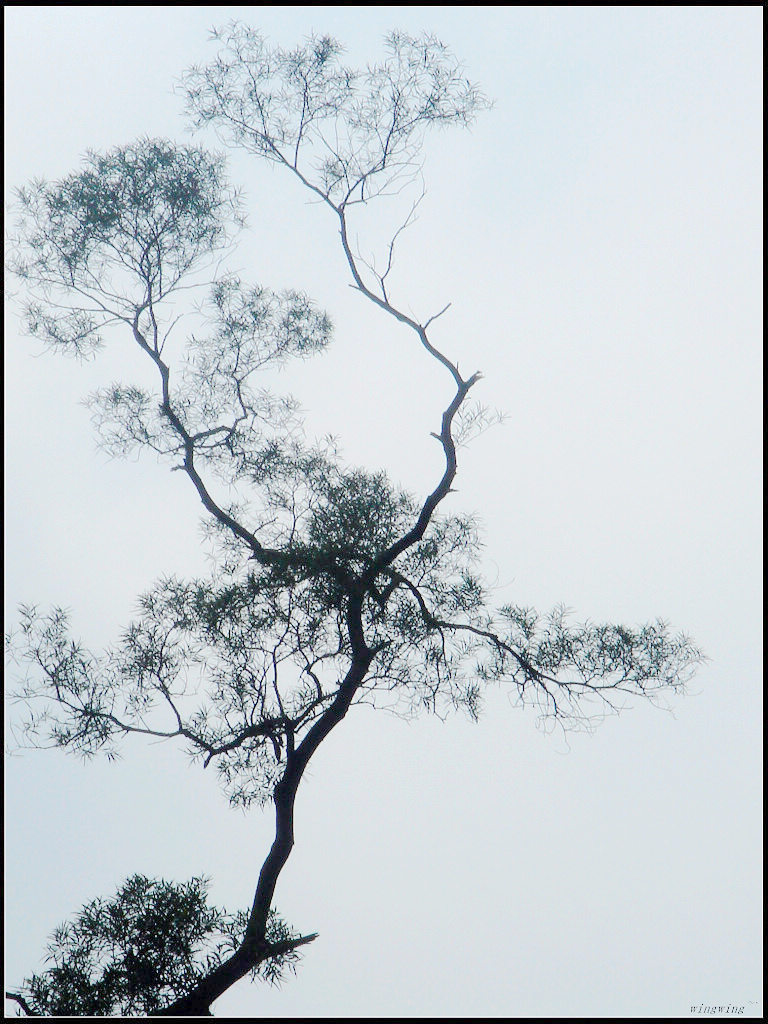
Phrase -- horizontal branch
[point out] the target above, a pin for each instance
(22, 1003)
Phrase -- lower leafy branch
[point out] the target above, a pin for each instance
(249, 958)
(147, 948)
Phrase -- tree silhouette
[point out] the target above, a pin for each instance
(333, 586)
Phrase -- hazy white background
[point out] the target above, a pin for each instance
(598, 234)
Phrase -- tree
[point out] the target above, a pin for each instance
(333, 586)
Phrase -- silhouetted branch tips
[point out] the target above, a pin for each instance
(437, 315)
(288, 944)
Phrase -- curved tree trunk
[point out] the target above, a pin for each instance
(255, 948)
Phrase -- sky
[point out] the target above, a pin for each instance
(598, 235)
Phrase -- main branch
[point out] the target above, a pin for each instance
(255, 948)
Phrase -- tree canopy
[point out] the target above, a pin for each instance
(333, 585)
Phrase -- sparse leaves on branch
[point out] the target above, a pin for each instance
(351, 134)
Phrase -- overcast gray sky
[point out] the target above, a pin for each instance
(598, 234)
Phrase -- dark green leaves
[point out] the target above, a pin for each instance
(356, 515)
(135, 953)
(118, 235)
(147, 200)
(583, 667)
(262, 326)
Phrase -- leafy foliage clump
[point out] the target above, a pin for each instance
(125, 229)
(134, 953)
